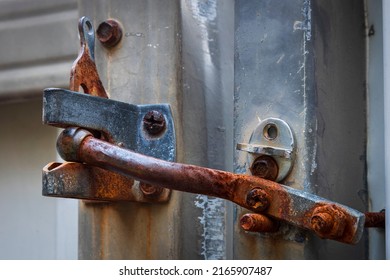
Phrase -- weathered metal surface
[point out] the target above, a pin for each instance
(296, 61)
(176, 52)
(207, 49)
(150, 55)
(114, 121)
(144, 68)
(256, 194)
(81, 181)
(375, 122)
(84, 75)
(272, 137)
(119, 122)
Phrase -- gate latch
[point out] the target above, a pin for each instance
(145, 129)
(122, 152)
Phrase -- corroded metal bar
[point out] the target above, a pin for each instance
(87, 182)
(256, 194)
(375, 219)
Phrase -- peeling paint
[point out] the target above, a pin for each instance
(305, 25)
(212, 220)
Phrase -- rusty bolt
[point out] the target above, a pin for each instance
(258, 199)
(265, 167)
(109, 33)
(328, 221)
(258, 223)
(154, 122)
(150, 191)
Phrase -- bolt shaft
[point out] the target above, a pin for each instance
(258, 223)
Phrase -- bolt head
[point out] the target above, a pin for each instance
(154, 122)
(109, 33)
(265, 167)
(150, 191)
(258, 199)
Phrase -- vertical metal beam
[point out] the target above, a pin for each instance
(207, 59)
(340, 88)
(176, 52)
(304, 62)
(386, 73)
(144, 68)
(375, 123)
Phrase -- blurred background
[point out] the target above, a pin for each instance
(38, 45)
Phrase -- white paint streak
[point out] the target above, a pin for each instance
(280, 59)
(306, 27)
(314, 155)
(212, 220)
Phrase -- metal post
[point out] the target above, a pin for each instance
(386, 73)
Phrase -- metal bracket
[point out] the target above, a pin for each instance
(146, 129)
(119, 123)
(272, 137)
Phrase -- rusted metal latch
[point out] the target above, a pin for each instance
(146, 129)
(118, 151)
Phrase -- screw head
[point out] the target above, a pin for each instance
(265, 167)
(154, 122)
(258, 199)
(109, 33)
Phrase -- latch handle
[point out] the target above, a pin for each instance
(84, 73)
(327, 219)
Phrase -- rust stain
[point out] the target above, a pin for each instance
(107, 185)
(149, 234)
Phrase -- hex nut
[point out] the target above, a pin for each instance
(328, 221)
